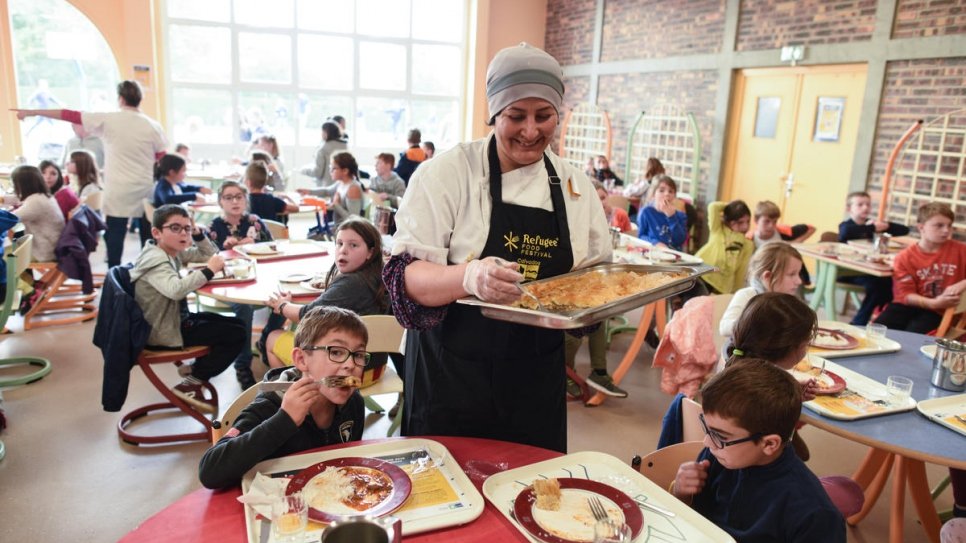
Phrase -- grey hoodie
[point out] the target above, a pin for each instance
(160, 290)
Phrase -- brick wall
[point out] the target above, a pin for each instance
(921, 18)
(769, 24)
(916, 89)
(657, 28)
(625, 96)
(570, 30)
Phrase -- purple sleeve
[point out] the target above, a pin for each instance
(406, 310)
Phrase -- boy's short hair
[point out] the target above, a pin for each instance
(262, 155)
(165, 212)
(321, 320)
(414, 137)
(757, 396)
(856, 194)
(257, 174)
(181, 147)
(767, 208)
(130, 92)
(929, 211)
(387, 158)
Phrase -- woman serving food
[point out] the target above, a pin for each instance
(477, 220)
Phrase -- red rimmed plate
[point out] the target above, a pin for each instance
(324, 507)
(830, 383)
(843, 341)
(574, 523)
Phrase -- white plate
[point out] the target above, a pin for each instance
(295, 278)
(307, 286)
(260, 249)
(928, 350)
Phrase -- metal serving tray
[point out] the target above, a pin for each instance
(565, 320)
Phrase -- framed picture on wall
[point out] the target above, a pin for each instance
(828, 118)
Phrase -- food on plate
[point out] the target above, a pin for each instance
(593, 289)
(805, 371)
(548, 494)
(827, 338)
(295, 278)
(573, 520)
(348, 490)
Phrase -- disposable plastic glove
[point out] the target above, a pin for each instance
(492, 279)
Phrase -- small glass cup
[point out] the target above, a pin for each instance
(875, 332)
(611, 531)
(290, 515)
(899, 389)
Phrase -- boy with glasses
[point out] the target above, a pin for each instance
(329, 341)
(160, 291)
(748, 480)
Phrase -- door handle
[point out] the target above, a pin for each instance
(789, 183)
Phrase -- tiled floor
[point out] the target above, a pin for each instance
(67, 477)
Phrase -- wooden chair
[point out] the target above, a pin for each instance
(385, 336)
(277, 229)
(661, 466)
(691, 427)
(950, 312)
(620, 201)
(58, 302)
(17, 262)
(145, 361)
(221, 426)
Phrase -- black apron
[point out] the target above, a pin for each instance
(479, 377)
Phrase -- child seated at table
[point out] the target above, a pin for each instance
(354, 282)
(386, 185)
(38, 212)
(660, 222)
(616, 217)
(774, 267)
(160, 291)
(928, 276)
(236, 227)
(65, 196)
(768, 230)
(878, 290)
(727, 248)
(328, 341)
(264, 205)
(170, 188)
(747, 480)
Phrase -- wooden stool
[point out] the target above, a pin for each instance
(145, 361)
(57, 303)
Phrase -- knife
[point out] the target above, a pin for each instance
(656, 509)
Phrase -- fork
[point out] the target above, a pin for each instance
(597, 508)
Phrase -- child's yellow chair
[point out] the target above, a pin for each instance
(221, 426)
(385, 336)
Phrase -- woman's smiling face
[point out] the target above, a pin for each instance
(523, 131)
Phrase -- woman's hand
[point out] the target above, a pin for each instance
(299, 397)
(492, 279)
(690, 478)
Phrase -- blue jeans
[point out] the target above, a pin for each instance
(244, 313)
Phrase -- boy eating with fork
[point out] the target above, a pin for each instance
(329, 341)
(747, 480)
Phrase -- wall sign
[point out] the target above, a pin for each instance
(828, 118)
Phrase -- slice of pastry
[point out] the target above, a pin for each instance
(548, 494)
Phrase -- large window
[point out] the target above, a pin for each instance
(61, 61)
(241, 68)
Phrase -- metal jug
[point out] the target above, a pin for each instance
(615, 237)
(363, 529)
(880, 243)
(949, 365)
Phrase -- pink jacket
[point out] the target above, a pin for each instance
(687, 351)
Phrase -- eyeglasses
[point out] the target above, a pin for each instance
(177, 228)
(341, 354)
(235, 198)
(718, 441)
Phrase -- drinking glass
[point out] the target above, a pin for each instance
(289, 517)
(611, 531)
(875, 332)
(899, 389)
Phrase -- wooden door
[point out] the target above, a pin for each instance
(793, 140)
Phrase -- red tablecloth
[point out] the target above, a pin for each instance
(206, 515)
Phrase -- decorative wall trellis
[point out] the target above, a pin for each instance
(927, 165)
(585, 133)
(671, 135)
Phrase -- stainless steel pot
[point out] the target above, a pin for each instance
(363, 529)
(949, 365)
